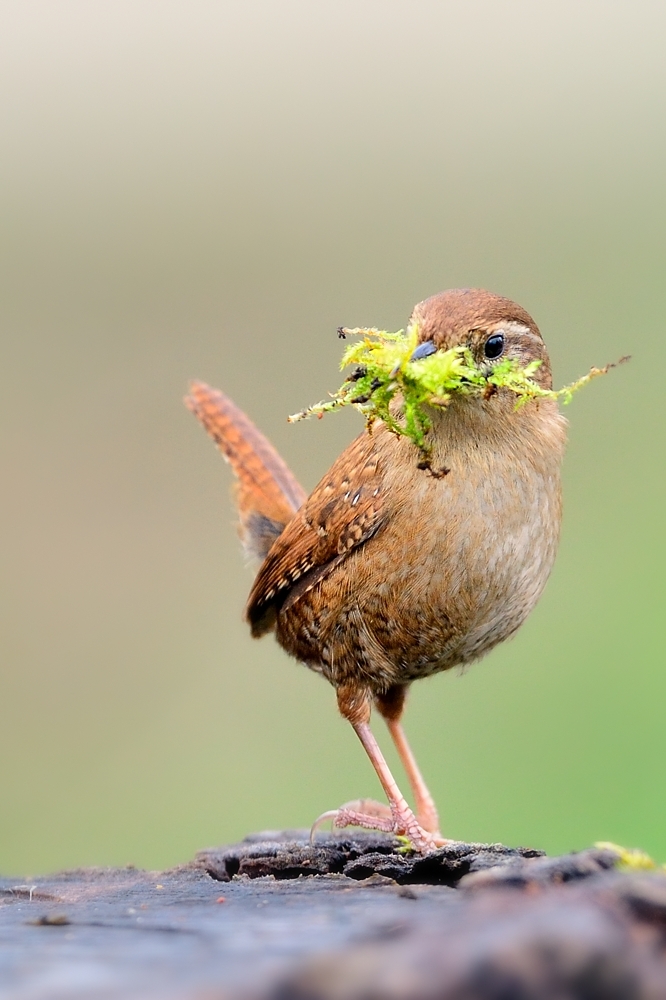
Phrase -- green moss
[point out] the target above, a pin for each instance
(630, 859)
(384, 372)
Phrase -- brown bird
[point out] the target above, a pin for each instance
(387, 573)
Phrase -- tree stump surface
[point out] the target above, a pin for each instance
(274, 918)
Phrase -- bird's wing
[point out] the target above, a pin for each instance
(343, 512)
(267, 493)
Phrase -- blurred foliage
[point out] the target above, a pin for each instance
(210, 190)
(629, 859)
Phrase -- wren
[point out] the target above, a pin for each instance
(387, 573)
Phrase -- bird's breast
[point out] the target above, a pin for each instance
(456, 568)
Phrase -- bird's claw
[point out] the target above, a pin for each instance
(371, 815)
(365, 813)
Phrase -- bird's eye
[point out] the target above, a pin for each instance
(494, 346)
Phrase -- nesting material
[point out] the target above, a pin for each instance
(387, 384)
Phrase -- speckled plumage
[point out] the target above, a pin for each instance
(444, 568)
(387, 573)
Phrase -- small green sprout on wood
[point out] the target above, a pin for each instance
(385, 372)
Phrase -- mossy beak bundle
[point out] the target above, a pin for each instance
(388, 369)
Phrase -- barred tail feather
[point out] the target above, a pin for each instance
(267, 494)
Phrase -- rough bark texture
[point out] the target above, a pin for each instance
(275, 919)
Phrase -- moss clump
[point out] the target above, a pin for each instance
(385, 370)
(629, 859)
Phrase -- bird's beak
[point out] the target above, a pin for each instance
(423, 350)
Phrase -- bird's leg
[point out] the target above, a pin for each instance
(354, 704)
(390, 706)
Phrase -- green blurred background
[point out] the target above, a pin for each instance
(208, 189)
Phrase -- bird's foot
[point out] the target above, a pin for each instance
(371, 815)
(366, 813)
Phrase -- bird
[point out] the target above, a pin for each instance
(386, 572)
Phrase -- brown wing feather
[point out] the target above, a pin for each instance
(342, 512)
(267, 494)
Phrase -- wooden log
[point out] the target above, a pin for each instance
(350, 917)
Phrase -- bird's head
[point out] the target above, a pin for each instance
(492, 327)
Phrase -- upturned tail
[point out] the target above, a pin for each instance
(267, 494)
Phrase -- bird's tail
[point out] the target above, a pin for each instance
(267, 494)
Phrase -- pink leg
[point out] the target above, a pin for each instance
(426, 810)
(391, 707)
(398, 818)
(405, 821)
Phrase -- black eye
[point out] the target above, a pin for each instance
(494, 346)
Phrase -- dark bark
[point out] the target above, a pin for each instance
(276, 919)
